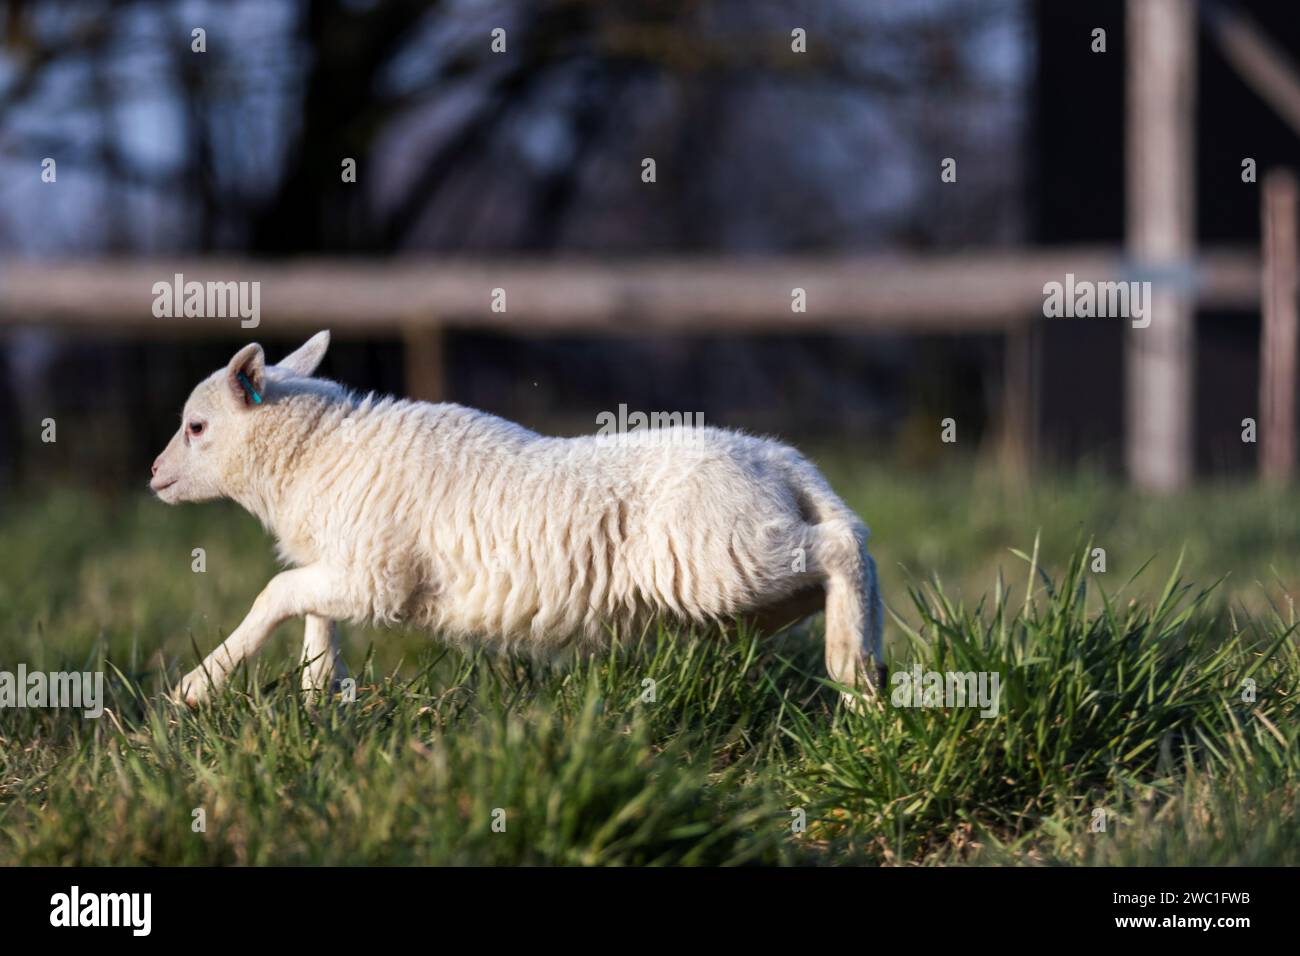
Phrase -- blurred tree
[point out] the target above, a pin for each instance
(459, 148)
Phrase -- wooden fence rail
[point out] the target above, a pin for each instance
(985, 292)
(419, 299)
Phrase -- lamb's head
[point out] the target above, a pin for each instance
(206, 453)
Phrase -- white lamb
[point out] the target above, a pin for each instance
(478, 528)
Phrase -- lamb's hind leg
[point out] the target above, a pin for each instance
(322, 665)
(314, 589)
(854, 613)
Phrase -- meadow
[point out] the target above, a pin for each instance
(1157, 697)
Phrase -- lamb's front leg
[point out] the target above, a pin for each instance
(321, 664)
(313, 589)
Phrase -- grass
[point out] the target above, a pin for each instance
(1163, 707)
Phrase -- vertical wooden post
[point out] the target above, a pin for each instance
(1161, 70)
(423, 363)
(1278, 338)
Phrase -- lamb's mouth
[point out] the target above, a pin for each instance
(161, 488)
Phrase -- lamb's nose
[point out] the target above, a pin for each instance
(154, 469)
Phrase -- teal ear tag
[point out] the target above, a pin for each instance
(248, 387)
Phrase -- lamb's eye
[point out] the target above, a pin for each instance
(196, 428)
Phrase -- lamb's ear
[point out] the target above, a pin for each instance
(308, 357)
(246, 376)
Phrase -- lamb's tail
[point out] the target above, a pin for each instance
(854, 612)
(855, 615)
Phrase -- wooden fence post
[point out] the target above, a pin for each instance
(1277, 338)
(423, 363)
(1161, 65)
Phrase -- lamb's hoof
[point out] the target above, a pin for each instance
(311, 696)
(182, 699)
(315, 689)
(192, 690)
(870, 696)
(856, 701)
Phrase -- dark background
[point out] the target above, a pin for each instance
(460, 152)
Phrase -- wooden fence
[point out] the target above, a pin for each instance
(419, 299)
